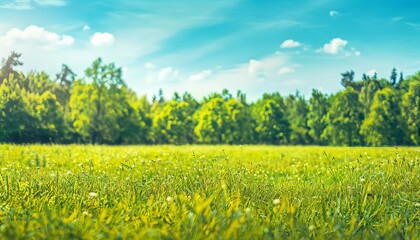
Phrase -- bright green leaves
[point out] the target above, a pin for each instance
(383, 125)
(344, 119)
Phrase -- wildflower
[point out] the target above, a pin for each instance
(276, 201)
(93, 194)
(169, 199)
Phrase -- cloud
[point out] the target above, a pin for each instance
(86, 27)
(17, 5)
(334, 13)
(290, 44)
(200, 76)
(371, 72)
(335, 46)
(35, 36)
(167, 74)
(285, 70)
(256, 69)
(102, 39)
(29, 4)
(357, 53)
(149, 65)
(268, 67)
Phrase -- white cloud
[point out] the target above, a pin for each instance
(357, 53)
(28, 4)
(35, 36)
(167, 74)
(200, 76)
(256, 69)
(335, 46)
(149, 65)
(17, 5)
(102, 39)
(334, 13)
(285, 70)
(371, 72)
(86, 27)
(290, 44)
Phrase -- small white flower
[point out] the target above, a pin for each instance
(93, 194)
(276, 201)
(169, 199)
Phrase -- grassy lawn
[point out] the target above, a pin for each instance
(208, 192)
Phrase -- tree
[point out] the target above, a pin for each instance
(171, 123)
(15, 115)
(103, 77)
(393, 77)
(297, 112)
(83, 110)
(50, 123)
(343, 119)
(400, 80)
(347, 78)
(367, 93)
(8, 66)
(318, 108)
(65, 80)
(221, 121)
(411, 110)
(272, 126)
(383, 125)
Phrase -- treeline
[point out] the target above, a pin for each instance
(99, 108)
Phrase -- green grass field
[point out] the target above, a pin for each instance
(208, 192)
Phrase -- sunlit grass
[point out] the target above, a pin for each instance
(207, 192)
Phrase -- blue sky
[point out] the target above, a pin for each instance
(205, 46)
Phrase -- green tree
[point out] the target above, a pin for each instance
(383, 125)
(343, 119)
(411, 110)
(318, 108)
(82, 110)
(393, 77)
(50, 125)
(367, 93)
(15, 115)
(172, 123)
(272, 126)
(297, 113)
(103, 77)
(221, 120)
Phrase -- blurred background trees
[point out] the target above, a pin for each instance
(99, 108)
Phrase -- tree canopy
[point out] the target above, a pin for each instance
(99, 108)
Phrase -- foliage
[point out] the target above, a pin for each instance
(383, 126)
(343, 119)
(99, 108)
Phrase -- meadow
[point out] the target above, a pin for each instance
(208, 192)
